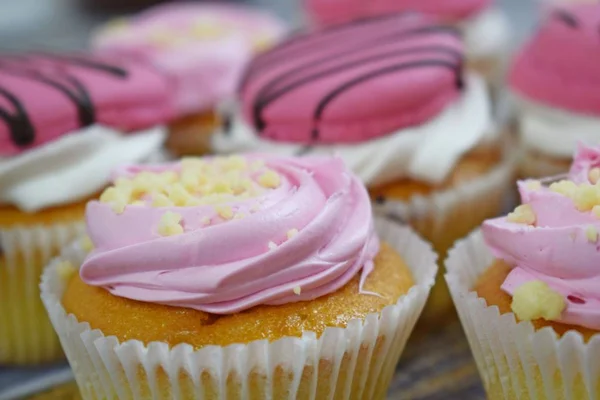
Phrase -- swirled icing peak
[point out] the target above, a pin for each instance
(222, 235)
(552, 239)
(560, 65)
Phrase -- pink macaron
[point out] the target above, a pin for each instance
(328, 12)
(45, 96)
(354, 82)
(560, 65)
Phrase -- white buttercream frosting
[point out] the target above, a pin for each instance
(555, 132)
(427, 152)
(72, 168)
(487, 33)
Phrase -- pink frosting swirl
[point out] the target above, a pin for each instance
(234, 264)
(558, 249)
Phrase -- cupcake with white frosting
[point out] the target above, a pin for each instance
(390, 97)
(555, 82)
(65, 122)
(263, 276)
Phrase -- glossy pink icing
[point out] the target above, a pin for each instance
(329, 12)
(205, 63)
(44, 96)
(227, 267)
(560, 65)
(354, 82)
(556, 250)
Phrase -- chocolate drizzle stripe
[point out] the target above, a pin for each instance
(566, 17)
(371, 75)
(380, 42)
(90, 63)
(22, 131)
(379, 36)
(269, 92)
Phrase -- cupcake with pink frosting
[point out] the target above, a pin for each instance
(203, 48)
(555, 80)
(391, 98)
(256, 275)
(484, 26)
(527, 289)
(66, 120)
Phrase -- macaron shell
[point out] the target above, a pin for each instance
(354, 82)
(328, 12)
(560, 65)
(46, 96)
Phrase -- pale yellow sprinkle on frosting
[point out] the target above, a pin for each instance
(535, 299)
(523, 214)
(170, 224)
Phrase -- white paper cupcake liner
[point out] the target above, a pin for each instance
(445, 216)
(26, 335)
(355, 362)
(467, 204)
(516, 361)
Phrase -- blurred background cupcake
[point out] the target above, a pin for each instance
(390, 97)
(555, 82)
(203, 48)
(266, 277)
(527, 289)
(65, 121)
(484, 26)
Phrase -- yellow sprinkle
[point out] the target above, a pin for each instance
(564, 187)
(138, 203)
(160, 200)
(65, 270)
(86, 243)
(205, 221)
(535, 299)
(594, 175)
(255, 207)
(591, 233)
(596, 211)
(586, 197)
(257, 165)
(168, 177)
(221, 187)
(523, 214)
(239, 216)
(291, 233)
(269, 179)
(225, 212)
(170, 224)
(533, 185)
(272, 245)
(297, 290)
(236, 162)
(178, 194)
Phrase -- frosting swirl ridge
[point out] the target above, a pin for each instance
(553, 238)
(222, 235)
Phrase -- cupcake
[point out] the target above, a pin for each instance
(557, 93)
(244, 276)
(203, 48)
(484, 26)
(392, 100)
(63, 120)
(526, 289)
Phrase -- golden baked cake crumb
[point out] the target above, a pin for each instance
(147, 322)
